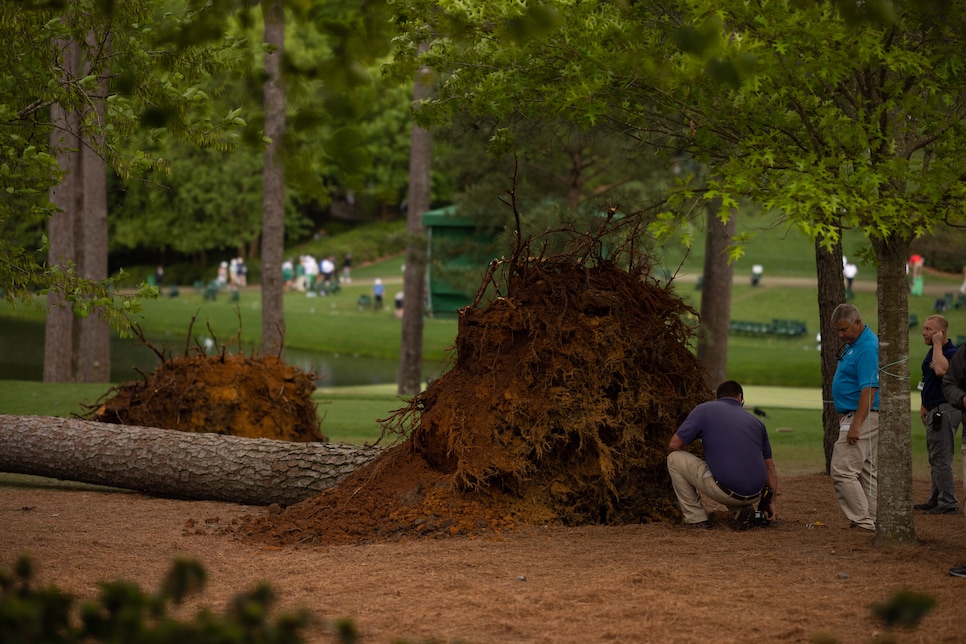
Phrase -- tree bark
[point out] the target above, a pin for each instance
(894, 524)
(273, 181)
(712, 350)
(414, 276)
(172, 463)
(93, 333)
(65, 145)
(831, 293)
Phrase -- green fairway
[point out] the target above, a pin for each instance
(794, 422)
(348, 415)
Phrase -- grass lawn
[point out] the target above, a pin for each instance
(349, 415)
(335, 324)
(794, 422)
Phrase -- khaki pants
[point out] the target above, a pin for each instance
(854, 471)
(691, 475)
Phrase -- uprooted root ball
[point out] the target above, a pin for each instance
(253, 397)
(558, 409)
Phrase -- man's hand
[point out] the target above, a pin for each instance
(766, 504)
(853, 436)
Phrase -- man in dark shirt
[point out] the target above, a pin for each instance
(737, 465)
(939, 417)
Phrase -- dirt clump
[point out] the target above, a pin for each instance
(233, 394)
(558, 409)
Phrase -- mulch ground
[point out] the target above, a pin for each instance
(808, 579)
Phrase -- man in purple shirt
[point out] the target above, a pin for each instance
(737, 463)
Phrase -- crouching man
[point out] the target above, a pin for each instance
(737, 465)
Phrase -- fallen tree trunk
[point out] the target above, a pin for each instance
(165, 462)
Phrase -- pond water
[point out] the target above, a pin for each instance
(22, 358)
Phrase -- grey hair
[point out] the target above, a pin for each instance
(846, 312)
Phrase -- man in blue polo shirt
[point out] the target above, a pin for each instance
(737, 464)
(855, 393)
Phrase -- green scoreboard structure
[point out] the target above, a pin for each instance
(459, 251)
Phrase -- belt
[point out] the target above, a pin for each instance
(735, 495)
(852, 413)
(937, 406)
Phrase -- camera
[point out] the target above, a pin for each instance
(760, 519)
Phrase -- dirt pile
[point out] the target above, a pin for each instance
(237, 395)
(558, 409)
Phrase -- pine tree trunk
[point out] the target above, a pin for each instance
(716, 297)
(65, 145)
(895, 524)
(831, 293)
(273, 181)
(414, 276)
(93, 346)
(172, 463)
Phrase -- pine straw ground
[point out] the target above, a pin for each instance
(654, 582)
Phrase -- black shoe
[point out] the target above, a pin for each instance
(923, 506)
(746, 518)
(949, 509)
(959, 571)
(702, 525)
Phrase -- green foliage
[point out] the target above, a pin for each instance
(367, 243)
(904, 609)
(124, 613)
(153, 93)
(209, 200)
(187, 95)
(829, 121)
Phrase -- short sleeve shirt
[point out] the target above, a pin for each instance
(858, 369)
(932, 385)
(735, 444)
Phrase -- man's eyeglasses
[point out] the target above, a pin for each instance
(841, 354)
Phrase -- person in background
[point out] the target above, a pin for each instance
(288, 275)
(915, 263)
(378, 290)
(850, 271)
(311, 272)
(737, 464)
(940, 419)
(347, 268)
(954, 389)
(222, 275)
(327, 270)
(241, 273)
(855, 394)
